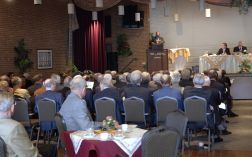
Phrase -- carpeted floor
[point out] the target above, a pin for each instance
(241, 128)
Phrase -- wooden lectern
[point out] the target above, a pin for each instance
(157, 59)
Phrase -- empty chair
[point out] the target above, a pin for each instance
(61, 127)
(196, 111)
(46, 112)
(164, 106)
(3, 149)
(134, 110)
(105, 107)
(178, 120)
(160, 142)
(21, 115)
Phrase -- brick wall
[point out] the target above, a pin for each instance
(42, 26)
(138, 39)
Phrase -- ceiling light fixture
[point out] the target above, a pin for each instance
(37, 2)
(207, 12)
(121, 10)
(94, 15)
(70, 8)
(99, 3)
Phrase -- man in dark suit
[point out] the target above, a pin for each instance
(111, 92)
(224, 49)
(240, 48)
(199, 91)
(135, 90)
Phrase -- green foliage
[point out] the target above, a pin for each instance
(123, 48)
(245, 66)
(22, 61)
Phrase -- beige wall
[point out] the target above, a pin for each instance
(42, 26)
(198, 33)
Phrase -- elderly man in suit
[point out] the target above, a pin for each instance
(167, 90)
(107, 90)
(74, 110)
(13, 132)
(224, 50)
(50, 93)
(199, 91)
(135, 90)
(240, 48)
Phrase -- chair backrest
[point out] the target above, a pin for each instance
(105, 107)
(195, 109)
(46, 110)
(134, 110)
(164, 106)
(21, 112)
(3, 148)
(178, 120)
(61, 125)
(160, 142)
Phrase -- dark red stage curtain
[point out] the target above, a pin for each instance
(89, 42)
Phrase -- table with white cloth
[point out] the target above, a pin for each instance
(229, 63)
(77, 144)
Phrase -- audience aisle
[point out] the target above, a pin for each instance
(238, 144)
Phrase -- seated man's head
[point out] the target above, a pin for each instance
(156, 78)
(78, 86)
(175, 77)
(106, 81)
(16, 82)
(37, 78)
(146, 76)
(207, 81)
(4, 86)
(49, 84)
(56, 78)
(165, 80)
(213, 75)
(224, 45)
(185, 74)
(6, 105)
(198, 80)
(136, 77)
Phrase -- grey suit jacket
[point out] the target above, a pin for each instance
(16, 139)
(76, 114)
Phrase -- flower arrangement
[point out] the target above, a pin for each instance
(245, 52)
(245, 66)
(109, 123)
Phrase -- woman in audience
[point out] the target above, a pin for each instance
(18, 91)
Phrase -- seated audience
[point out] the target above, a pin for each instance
(224, 50)
(4, 86)
(167, 90)
(108, 91)
(57, 79)
(175, 76)
(155, 83)
(13, 132)
(145, 79)
(74, 110)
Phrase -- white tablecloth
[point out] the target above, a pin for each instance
(129, 144)
(230, 63)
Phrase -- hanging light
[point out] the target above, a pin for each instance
(153, 4)
(99, 3)
(176, 17)
(137, 17)
(70, 8)
(37, 2)
(121, 10)
(94, 15)
(207, 12)
(202, 5)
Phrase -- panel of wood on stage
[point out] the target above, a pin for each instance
(157, 60)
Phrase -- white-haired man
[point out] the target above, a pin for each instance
(74, 110)
(13, 132)
(135, 90)
(50, 93)
(111, 92)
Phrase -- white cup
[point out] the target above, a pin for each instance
(124, 127)
(104, 136)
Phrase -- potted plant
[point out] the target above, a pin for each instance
(22, 61)
(123, 48)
